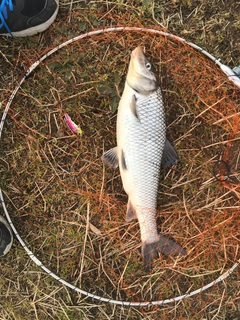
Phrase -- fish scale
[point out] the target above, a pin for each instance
(141, 148)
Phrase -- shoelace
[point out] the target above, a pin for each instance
(4, 14)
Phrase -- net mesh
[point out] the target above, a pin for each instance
(70, 209)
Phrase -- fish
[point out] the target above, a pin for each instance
(142, 147)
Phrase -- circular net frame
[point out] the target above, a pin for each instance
(70, 209)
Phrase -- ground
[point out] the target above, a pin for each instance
(55, 185)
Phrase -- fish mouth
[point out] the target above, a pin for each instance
(138, 52)
(140, 75)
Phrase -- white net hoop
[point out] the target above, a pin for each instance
(225, 69)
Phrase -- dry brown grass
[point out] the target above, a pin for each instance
(69, 208)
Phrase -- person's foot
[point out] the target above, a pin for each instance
(6, 237)
(21, 18)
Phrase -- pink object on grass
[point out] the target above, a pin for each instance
(72, 125)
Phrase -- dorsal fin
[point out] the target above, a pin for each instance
(169, 156)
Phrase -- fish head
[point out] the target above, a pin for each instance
(140, 75)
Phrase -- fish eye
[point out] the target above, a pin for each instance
(148, 66)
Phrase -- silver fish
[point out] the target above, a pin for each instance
(141, 149)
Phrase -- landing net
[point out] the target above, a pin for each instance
(68, 210)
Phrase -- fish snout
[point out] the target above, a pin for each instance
(137, 52)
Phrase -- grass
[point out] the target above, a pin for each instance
(70, 209)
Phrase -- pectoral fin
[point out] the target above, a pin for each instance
(169, 156)
(110, 158)
(133, 106)
(131, 212)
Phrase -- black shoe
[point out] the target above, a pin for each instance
(6, 237)
(21, 18)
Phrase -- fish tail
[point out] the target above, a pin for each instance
(162, 245)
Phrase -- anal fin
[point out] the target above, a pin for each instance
(131, 212)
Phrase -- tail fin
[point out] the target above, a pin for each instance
(163, 245)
